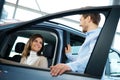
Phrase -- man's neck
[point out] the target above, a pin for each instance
(92, 27)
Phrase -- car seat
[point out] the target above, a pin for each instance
(48, 52)
(18, 49)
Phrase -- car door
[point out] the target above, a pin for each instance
(15, 71)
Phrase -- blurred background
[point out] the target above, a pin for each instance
(23, 10)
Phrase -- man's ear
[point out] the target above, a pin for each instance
(89, 19)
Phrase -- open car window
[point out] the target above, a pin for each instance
(19, 38)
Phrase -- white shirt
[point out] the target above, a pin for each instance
(85, 51)
(32, 58)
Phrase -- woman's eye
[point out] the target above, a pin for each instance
(40, 42)
(35, 40)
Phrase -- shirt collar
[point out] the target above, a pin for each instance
(92, 31)
(33, 53)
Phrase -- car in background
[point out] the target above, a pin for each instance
(104, 61)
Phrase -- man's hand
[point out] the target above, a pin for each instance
(68, 49)
(59, 69)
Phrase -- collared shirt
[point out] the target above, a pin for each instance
(85, 51)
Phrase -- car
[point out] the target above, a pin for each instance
(104, 61)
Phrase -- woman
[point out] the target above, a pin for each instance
(31, 54)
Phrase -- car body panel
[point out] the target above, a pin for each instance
(8, 72)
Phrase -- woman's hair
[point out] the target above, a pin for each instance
(27, 47)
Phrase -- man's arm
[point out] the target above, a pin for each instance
(59, 69)
(69, 54)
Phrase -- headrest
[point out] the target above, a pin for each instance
(48, 51)
(19, 47)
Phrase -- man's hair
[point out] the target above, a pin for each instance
(95, 17)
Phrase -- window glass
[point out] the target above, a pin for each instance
(33, 4)
(24, 15)
(7, 12)
(114, 55)
(49, 50)
(11, 1)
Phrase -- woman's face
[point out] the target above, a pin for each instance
(37, 44)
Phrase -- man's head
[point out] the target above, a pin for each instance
(89, 21)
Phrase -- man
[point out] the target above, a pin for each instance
(89, 23)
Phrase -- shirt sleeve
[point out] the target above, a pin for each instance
(80, 64)
(71, 57)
